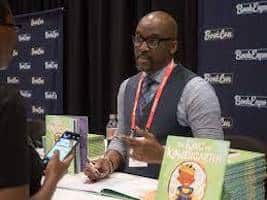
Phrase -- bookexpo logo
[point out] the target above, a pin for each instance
(13, 80)
(25, 66)
(37, 51)
(26, 93)
(38, 81)
(218, 34)
(37, 110)
(51, 65)
(257, 7)
(227, 122)
(37, 22)
(251, 101)
(51, 95)
(51, 34)
(251, 54)
(24, 37)
(219, 78)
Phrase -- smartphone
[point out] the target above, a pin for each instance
(65, 145)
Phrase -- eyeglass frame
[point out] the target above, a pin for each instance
(158, 41)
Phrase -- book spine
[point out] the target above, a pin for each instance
(77, 159)
(83, 131)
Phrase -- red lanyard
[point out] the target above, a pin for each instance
(167, 73)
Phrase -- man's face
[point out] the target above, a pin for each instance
(154, 46)
(8, 38)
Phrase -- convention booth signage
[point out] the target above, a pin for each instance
(232, 56)
(37, 65)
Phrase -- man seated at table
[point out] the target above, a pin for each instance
(163, 98)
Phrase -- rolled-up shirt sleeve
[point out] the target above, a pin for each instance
(199, 109)
(116, 144)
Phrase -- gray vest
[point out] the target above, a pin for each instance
(165, 118)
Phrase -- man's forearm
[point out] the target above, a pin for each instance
(116, 158)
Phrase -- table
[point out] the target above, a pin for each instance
(63, 194)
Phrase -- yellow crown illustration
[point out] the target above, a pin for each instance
(188, 169)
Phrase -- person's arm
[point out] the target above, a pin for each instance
(47, 190)
(14, 175)
(115, 158)
(15, 193)
(53, 173)
(117, 151)
(145, 147)
(199, 109)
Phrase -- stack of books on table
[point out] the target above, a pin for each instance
(96, 146)
(245, 176)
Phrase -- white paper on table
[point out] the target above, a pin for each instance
(131, 185)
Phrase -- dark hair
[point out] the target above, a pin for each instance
(4, 10)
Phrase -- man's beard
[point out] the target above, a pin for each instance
(145, 68)
(145, 65)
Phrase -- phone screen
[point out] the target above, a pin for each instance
(64, 145)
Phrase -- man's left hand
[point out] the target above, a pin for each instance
(145, 147)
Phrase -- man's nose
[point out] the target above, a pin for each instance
(143, 46)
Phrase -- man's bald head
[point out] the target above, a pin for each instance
(163, 21)
(155, 41)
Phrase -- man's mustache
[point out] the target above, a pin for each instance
(142, 56)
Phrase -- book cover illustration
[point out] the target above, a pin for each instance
(188, 181)
(55, 127)
(192, 169)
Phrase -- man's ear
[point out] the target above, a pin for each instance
(173, 47)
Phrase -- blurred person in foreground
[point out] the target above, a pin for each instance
(21, 167)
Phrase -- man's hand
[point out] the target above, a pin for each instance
(145, 147)
(101, 168)
(98, 169)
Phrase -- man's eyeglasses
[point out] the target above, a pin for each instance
(13, 26)
(152, 43)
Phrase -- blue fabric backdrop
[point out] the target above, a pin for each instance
(37, 66)
(232, 56)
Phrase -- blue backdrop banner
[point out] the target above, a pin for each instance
(37, 66)
(232, 56)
